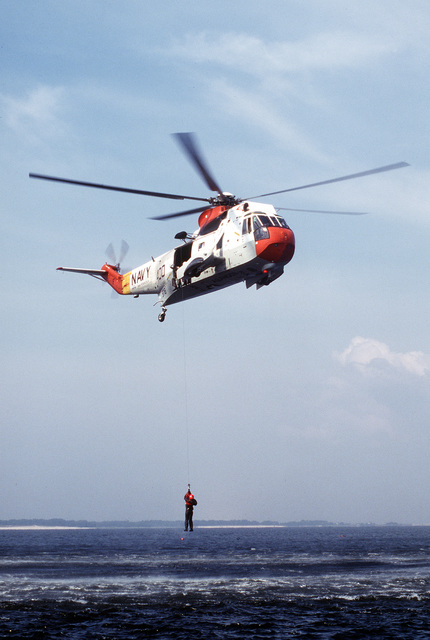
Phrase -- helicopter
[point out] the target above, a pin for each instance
(237, 240)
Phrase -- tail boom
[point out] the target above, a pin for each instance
(108, 273)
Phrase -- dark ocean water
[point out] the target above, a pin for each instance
(316, 583)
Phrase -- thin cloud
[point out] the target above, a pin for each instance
(366, 352)
(252, 55)
(264, 114)
(389, 19)
(280, 70)
(38, 111)
(400, 194)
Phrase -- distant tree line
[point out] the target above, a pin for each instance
(60, 522)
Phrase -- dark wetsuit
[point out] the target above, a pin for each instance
(189, 508)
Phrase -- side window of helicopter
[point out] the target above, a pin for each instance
(246, 226)
(275, 221)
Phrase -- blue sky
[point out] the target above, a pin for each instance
(307, 399)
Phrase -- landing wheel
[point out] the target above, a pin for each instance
(162, 315)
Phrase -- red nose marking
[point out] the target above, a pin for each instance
(279, 247)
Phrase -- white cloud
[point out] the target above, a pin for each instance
(403, 194)
(407, 23)
(38, 111)
(364, 352)
(329, 50)
(264, 113)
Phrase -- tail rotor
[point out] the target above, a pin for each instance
(110, 253)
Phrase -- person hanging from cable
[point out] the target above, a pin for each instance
(190, 503)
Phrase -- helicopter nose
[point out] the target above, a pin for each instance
(279, 247)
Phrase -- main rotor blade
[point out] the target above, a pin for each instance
(340, 213)
(389, 167)
(188, 141)
(156, 194)
(178, 215)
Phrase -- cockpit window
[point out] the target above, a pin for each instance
(256, 222)
(262, 220)
(275, 221)
(265, 220)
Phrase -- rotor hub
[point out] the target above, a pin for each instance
(225, 198)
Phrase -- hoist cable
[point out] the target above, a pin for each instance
(186, 392)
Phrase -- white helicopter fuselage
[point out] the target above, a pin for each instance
(249, 242)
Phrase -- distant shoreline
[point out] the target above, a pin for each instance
(58, 523)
